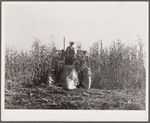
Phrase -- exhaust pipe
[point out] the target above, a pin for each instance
(64, 43)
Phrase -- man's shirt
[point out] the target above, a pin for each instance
(70, 51)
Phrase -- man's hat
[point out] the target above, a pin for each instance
(71, 42)
(84, 51)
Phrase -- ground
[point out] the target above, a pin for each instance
(21, 95)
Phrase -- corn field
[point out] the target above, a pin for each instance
(30, 66)
(118, 66)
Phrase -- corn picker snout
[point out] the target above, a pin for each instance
(70, 72)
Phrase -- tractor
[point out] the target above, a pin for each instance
(70, 76)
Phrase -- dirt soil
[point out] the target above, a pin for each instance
(20, 95)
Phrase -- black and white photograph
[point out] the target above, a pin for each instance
(74, 61)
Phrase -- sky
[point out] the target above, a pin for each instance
(84, 22)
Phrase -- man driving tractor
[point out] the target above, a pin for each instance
(71, 71)
(70, 54)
